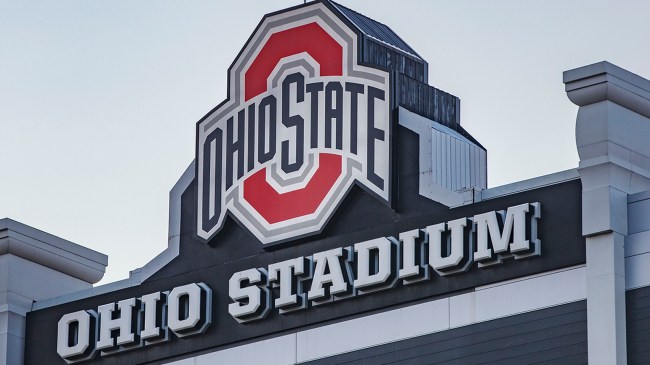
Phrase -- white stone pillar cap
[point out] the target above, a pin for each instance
(605, 81)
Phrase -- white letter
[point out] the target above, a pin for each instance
(79, 345)
(412, 255)
(322, 260)
(152, 305)
(383, 265)
(447, 265)
(284, 274)
(257, 297)
(487, 224)
(123, 324)
(189, 309)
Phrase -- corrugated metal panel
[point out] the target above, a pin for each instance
(428, 101)
(445, 160)
(385, 56)
(459, 167)
(466, 175)
(438, 158)
(457, 163)
(476, 168)
(483, 168)
(375, 29)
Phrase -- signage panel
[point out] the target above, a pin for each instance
(304, 122)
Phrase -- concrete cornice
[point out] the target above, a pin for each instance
(50, 251)
(604, 81)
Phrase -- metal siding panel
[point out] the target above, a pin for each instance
(470, 166)
(483, 169)
(476, 166)
(443, 159)
(436, 107)
(461, 166)
(468, 149)
(278, 350)
(521, 296)
(445, 172)
(477, 175)
(539, 345)
(445, 109)
(372, 330)
(637, 303)
(577, 359)
(432, 137)
(545, 335)
(452, 164)
(636, 266)
(422, 98)
(434, 157)
(443, 162)
(639, 216)
(439, 158)
(375, 29)
(458, 167)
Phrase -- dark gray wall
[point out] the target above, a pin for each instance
(556, 335)
(360, 217)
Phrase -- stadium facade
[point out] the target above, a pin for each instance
(337, 212)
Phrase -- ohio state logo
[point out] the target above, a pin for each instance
(302, 124)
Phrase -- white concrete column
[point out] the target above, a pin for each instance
(34, 266)
(612, 128)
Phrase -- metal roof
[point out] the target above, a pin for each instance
(375, 29)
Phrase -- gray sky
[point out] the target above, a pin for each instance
(99, 99)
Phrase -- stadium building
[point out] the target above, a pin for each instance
(338, 213)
